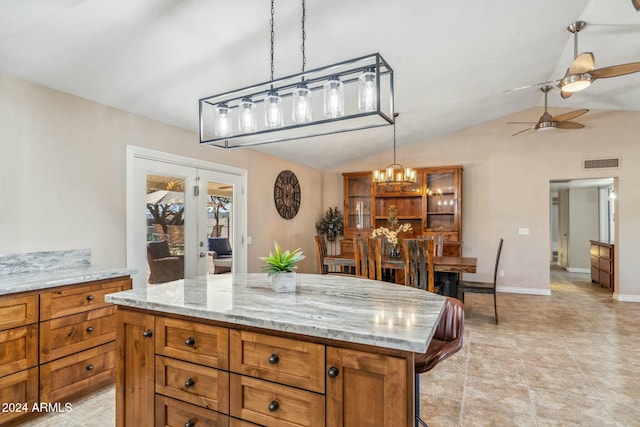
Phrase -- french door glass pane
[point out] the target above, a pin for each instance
(165, 228)
(219, 227)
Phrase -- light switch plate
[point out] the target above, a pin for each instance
(523, 231)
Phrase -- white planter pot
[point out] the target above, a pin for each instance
(284, 282)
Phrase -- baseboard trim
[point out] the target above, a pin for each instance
(626, 298)
(579, 270)
(528, 291)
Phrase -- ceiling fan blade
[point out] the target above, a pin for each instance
(582, 64)
(570, 115)
(616, 70)
(569, 125)
(636, 4)
(523, 131)
(533, 85)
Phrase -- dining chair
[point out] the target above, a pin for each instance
(368, 257)
(321, 249)
(446, 341)
(483, 287)
(419, 264)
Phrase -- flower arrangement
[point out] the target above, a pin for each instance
(331, 224)
(392, 234)
(281, 261)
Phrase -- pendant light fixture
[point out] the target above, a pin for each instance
(394, 174)
(350, 95)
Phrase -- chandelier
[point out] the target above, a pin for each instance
(394, 174)
(350, 95)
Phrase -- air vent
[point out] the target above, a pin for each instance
(601, 163)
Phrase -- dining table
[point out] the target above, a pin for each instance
(447, 268)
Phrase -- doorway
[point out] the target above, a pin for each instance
(581, 210)
(177, 208)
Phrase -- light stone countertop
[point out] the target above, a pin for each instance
(43, 279)
(332, 307)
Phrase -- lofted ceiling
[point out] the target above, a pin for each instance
(452, 60)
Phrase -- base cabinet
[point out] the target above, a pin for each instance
(56, 345)
(257, 378)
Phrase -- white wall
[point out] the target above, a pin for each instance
(506, 186)
(62, 177)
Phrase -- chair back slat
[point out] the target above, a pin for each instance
(495, 271)
(368, 257)
(321, 249)
(416, 263)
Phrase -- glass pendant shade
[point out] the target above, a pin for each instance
(333, 98)
(222, 120)
(247, 116)
(302, 104)
(367, 91)
(273, 110)
(394, 174)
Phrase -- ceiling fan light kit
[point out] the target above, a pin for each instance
(350, 95)
(576, 82)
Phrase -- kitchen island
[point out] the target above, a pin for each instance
(230, 351)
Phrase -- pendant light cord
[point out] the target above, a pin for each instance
(272, 37)
(304, 35)
(394, 142)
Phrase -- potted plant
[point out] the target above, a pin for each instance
(280, 267)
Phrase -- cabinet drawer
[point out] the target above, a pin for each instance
(605, 279)
(71, 376)
(284, 360)
(595, 261)
(70, 334)
(270, 404)
(595, 275)
(192, 341)
(234, 422)
(18, 349)
(199, 385)
(605, 252)
(174, 413)
(594, 250)
(76, 299)
(605, 265)
(21, 387)
(18, 311)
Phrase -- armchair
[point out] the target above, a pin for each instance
(163, 266)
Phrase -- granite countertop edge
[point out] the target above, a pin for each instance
(51, 278)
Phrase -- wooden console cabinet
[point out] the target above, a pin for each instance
(56, 344)
(433, 206)
(180, 371)
(602, 270)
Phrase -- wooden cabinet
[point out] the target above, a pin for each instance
(602, 264)
(367, 389)
(18, 355)
(432, 205)
(270, 379)
(135, 369)
(57, 344)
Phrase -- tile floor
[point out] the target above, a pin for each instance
(571, 359)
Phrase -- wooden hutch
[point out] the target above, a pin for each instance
(433, 206)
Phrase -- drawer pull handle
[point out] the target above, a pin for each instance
(274, 359)
(148, 333)
(90, 368)
(333, 372)
(274, 406)
(190, 341)
(90, 329)
(189, 383)
(190, 423)
(90, 297)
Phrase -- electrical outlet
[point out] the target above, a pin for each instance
(523, 231)
(501, 273)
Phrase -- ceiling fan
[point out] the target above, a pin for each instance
(636, 4)
(581, 74)
(547, 122)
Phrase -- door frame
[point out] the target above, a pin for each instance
(136, 239)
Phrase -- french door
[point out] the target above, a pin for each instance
(174, 206)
